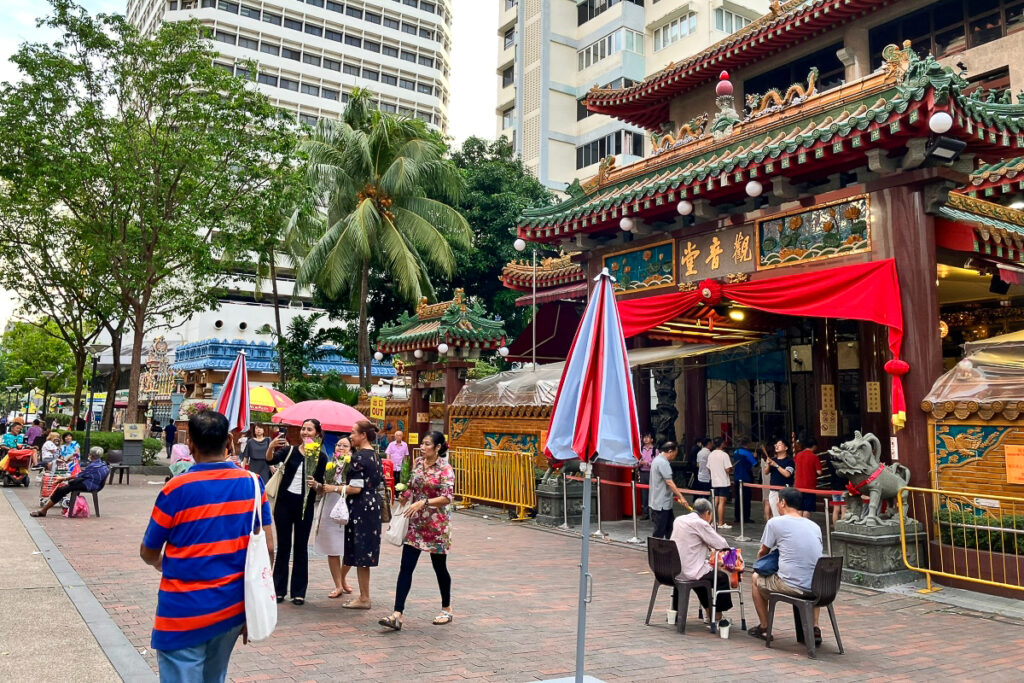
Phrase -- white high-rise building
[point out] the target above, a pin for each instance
(551, 52)
(311, 55)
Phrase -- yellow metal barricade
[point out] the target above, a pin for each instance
(970, 536)
(500, 477)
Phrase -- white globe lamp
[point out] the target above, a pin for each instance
(442, 348)
(685, 208)
(378, 356)
(519, 244)
(626, 223)
(940, 122)
(418, 353)
(503, 352)
(754, 189)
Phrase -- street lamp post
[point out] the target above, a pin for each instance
(7, 399)
(29, 381)
(48, 375)
(16, 392)
(520, 245)
(93, 350)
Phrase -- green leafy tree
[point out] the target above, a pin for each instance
(27, 349)
(498, 188)
(330, 386)
(158, 154)
(303, 344)
(385, 190)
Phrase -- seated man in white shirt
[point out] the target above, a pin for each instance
(694, 537)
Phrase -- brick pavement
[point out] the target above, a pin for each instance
(515, 601)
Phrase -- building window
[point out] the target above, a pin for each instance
(426, 33)
(274, 19)
(270, 48)
(315, 3)
(310, 90)
(371, 74)
(371, 45)
(510, 38)
(388, 79)
(267, 79)
(311, 59)
(388, 107)
(289, 53)
(226, 67)
(392, 23)
(674, 31)
(425, 89)
(508, 76)
(372, 18)
(508, 118)
(354, 41)
(224, 37)
(289, 84)
(242, 72)
(250, 12)
(729, 22)
(611, 44)
(332, 64)
(426, 61)
(228, 6)
(509, 4)
(592, 152)
(292, 24)
(831, 73)
(354, 12)
(329, 94)
(389, 51)
(588, 9)
(335, 6)
(406, 83)
(408, 28)
(308, 119)
(314, 30)
(350, 70)
(336, 36)
(248, 43)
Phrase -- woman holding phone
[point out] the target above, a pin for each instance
(295, 509)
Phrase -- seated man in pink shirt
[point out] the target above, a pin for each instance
(694, 537)
(397, 451)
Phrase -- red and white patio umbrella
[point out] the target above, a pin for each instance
(233, 402)
(594, 417)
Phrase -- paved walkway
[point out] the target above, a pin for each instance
(515, 602)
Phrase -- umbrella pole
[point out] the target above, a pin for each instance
(585, 577)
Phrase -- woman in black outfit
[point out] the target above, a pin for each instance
(254, 455)
(362, 533)
(294, 510)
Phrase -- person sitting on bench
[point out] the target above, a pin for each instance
(91, 479)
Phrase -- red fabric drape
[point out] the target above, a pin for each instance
(863, 291)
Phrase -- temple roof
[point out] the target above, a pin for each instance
(993, 231)
(787, 25)
(806, 137)
(551, 272)
(457, 323)
(219, 354)
(1003, 177)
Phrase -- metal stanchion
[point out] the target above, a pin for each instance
(743, 514)
(565, 503)
(598, 532)
(632, 492)
(828, 527)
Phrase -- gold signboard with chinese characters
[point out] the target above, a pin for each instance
(873, 391)
(716, 254)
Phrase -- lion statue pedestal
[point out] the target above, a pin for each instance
(868, 536)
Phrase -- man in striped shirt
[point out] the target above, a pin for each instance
(197, 538)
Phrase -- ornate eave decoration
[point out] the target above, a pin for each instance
(457, 323)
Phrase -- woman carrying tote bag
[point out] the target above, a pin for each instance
(330, 534)
(295, 509)
(428, 507)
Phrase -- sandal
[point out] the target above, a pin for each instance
(445, 617)
(351, 604)
(392, 622)
(37, 513)
(817, 637)
(336, 593)
(758, 632)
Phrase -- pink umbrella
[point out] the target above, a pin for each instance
(594, 416)
(333, 416)
(233, 402)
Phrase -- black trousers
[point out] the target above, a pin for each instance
(744, 496)
(67, 487)
(410, 556)
(662, 522)
(724, 601)
(292, 532)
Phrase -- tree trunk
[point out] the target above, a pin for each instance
(115, 375)
(131, 413)
(76, 405)
(365, 375)
(277, 317)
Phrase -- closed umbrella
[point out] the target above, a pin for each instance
(594, 416)
(233, 402)
(333, 416)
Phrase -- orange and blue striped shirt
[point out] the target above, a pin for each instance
(202, 520)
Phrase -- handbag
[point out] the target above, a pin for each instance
(260, 599)
(274, 483)
(767, 565)
(385, 504)
(399, 526)
(339, 513)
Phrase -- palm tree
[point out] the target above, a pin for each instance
(382, 183)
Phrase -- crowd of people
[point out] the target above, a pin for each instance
(202, 519)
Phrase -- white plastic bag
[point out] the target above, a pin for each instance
(339, 513)
(398, 527)
(260, 599)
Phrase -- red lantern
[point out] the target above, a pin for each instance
(897, 367)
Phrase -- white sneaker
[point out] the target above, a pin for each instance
(724, 526)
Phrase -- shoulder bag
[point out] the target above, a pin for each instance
(767, 565)
(274, 483)
(399, 526)
(260, 599)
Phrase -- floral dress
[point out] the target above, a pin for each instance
(430, 527)
(362, 533)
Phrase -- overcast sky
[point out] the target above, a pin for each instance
(474, 50)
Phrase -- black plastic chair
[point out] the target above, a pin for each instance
(115, 461)
(663, 560)
(828, 574)
(95, 501)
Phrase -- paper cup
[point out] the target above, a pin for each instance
(723, 629)
(671, 616)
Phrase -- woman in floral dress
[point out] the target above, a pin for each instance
(330, 536)
(430, 494)
(362, 533)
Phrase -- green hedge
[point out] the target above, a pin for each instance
(150, 449)
(978, 538)
(107, 440)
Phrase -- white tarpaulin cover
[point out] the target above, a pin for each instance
(992, 370)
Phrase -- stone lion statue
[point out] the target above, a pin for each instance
(859, 461)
